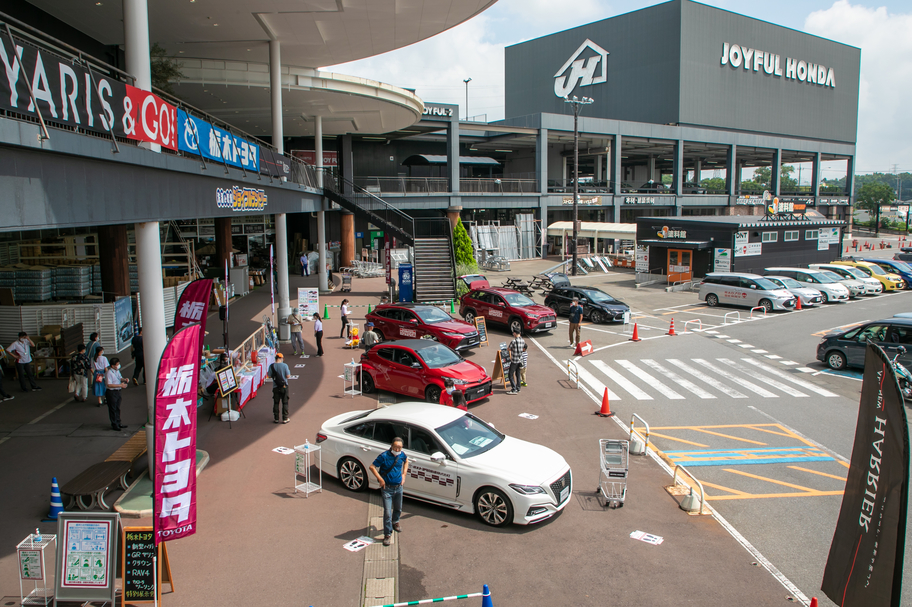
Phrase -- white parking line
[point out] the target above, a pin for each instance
(745, 346)
(760, 351)
(773, 356)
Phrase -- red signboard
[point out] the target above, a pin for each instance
(330, 158)
(148, 118)
(174, 503)
(193, 305)
(387, 260)
(583, 348)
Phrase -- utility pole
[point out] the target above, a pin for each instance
(576, 103)
(467, 81)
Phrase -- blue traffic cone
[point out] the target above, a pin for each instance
(56, 503)
(486, 597)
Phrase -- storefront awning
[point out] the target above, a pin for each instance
(595, 229)
(677, 244)
(432, 159)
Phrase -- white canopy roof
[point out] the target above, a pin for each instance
(595, 229)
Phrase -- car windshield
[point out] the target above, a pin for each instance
(517, 300)
(438, 356)
(855, 272)
(901, 265)
(433, 315)
(788, 283)
(468, 436)
(598, 297)
(822, 278)
(832, 275)
(766, 285)
(876, 269)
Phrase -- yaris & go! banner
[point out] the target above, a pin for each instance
(174, 502)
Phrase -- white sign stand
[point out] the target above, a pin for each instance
(352, 375)
(303, 455)
(33, 569)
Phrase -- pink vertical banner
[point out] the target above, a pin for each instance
(174, 500)
(193, 305)
(272, 279)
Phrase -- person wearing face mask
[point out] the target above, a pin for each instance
(391, 468)
(99, 366)
(21, 349)
(115, 383)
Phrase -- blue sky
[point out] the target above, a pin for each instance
(437, 67)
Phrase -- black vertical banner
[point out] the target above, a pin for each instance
(865, 564)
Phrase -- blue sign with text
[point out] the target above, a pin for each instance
(197, 136)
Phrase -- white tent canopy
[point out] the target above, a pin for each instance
(594, 229)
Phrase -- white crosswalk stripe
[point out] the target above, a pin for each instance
(790, 377)
(652, 381)
(684, 383)
(738, 380)
(760, 377)
(620, 380)
(593, 382)
(712, 381)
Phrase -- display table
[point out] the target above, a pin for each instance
(250, 380)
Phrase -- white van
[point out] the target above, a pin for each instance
(831, 289)
(742, 289)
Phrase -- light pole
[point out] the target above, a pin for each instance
(467, 81)
(576, 103)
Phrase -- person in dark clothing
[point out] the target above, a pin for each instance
(515, 352)
(576, 317)
(114, 383)
(139, 357)
(279, 373)
(81, 368)
(318, 333)
(345, 313)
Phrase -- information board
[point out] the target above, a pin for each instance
(482, 330)
(227, 380)
(30, 565)
(308, 302)
(86, 548)
(136, 564)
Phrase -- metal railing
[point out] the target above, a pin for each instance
(441, 185)
(356, 199)
(498, 186)
(674, 480)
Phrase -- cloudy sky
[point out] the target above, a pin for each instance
(437, 67)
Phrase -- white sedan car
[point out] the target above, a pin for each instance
(455, 460)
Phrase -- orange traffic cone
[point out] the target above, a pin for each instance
(635, 336)
(671, 329)
(814, 602)
(798, 303)
(605, 411)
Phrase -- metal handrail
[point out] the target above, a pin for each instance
(674, 480)
(634, 431)
(756, 308)
(696, 320)
(573, 372)
(368, 202)
(725, 318)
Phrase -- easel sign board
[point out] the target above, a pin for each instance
(498, 372)
(137, 566)
(86, 552)
(227, 380)
(482, 330)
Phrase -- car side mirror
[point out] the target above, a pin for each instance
(753, 286)
(416, 365)
(584, 301)
(414, 321)
(901, 350)
(438, 458)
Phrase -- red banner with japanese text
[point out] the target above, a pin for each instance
(193, 305)
(174, 500)
(149, 118)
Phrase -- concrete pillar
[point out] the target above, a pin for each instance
(730, 169)
(850, 192)
(616, 172)
(281, 221)
(678, 168)
(452, 214)
(698, 170)
(347, 253)
(775, 172)
(113, 254)
(152, 310)
(453, 171)
(543, 215)
(136, 49)
(275, 95)
(652, 169)
(541, 161)
(222, 243)
(816, 185)
(321, 214)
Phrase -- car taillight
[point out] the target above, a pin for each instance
(320, 437)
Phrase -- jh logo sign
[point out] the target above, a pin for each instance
(582, 70)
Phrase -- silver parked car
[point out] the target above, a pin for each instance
(872, 285)
(830, 288)
(742, 289)
(807, 295)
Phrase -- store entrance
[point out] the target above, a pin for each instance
(679, 265)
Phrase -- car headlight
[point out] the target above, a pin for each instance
(454, 334)
(527, 489)
(458, 382)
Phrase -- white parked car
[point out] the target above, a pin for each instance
(809, 297)
(872, 285)
(830, 288)
(455, 460)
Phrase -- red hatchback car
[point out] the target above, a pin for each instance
(417, 367)
(414, 321)
(506, 307)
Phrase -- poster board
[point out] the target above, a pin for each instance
(136, 566)
(498, 372)
(227, 380)
(86, 552)
(308, 302)
(482, 330)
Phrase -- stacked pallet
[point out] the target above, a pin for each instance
(73, 281)
(34, 284)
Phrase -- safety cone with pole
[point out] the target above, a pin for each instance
(605, 411)
(325, 312)
(636, 335)
(56, 503)
(671, 329)
(486, 597)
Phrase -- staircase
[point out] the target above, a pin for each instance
(432, 238)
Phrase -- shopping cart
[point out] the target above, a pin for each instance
(346, 283)
(613, 471)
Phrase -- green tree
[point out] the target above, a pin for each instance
(787, 183)
(462, 244)
(165, 69)
(873, 194)
(715, 185)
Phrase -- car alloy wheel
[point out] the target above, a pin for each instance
(824, 297)
(493, 507)
(836, 360)
(767, 305)
(516, 326)
(432, 394)
(352, 474)
(597, 317)
(711, 300)
(469, 316)
(367, 383)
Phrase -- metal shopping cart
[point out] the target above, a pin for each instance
(613, 470)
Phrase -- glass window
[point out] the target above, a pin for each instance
(385, 432)
(422, 442)
(518, 299)
(901, 335)
(791, 236)
(407, 316)
(405, 358)
(365, 430)
(468, 436)
(432, 315)
(598, 296)
(877, 333)
(810, 234)
(438, 356)
(769, 237)
(386, 353)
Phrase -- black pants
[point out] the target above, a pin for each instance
(319, 336)
(514, 375)
(2, 391)
(113, 399)
(140, 367)
(344, 327)
(25, 370)
(280, 394)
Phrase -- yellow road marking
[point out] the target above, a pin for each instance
(770, 480)
(721, 426)
(746, 440)
(788, 434)
(838, 478)
(768, 495)
(714, 486)
(680, 440)
(843, 463)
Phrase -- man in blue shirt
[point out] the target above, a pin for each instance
(576, 317)
(279, 373)
(391, 468)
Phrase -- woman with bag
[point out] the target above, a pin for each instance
(99, 365)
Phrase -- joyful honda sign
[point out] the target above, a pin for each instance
(754, 60)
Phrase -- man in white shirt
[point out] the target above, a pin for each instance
(115, 383)
(21, 349)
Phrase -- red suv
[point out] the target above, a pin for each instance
(507, 307)
(414, 321)
(417, 367)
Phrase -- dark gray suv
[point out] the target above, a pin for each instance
(847, 348)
